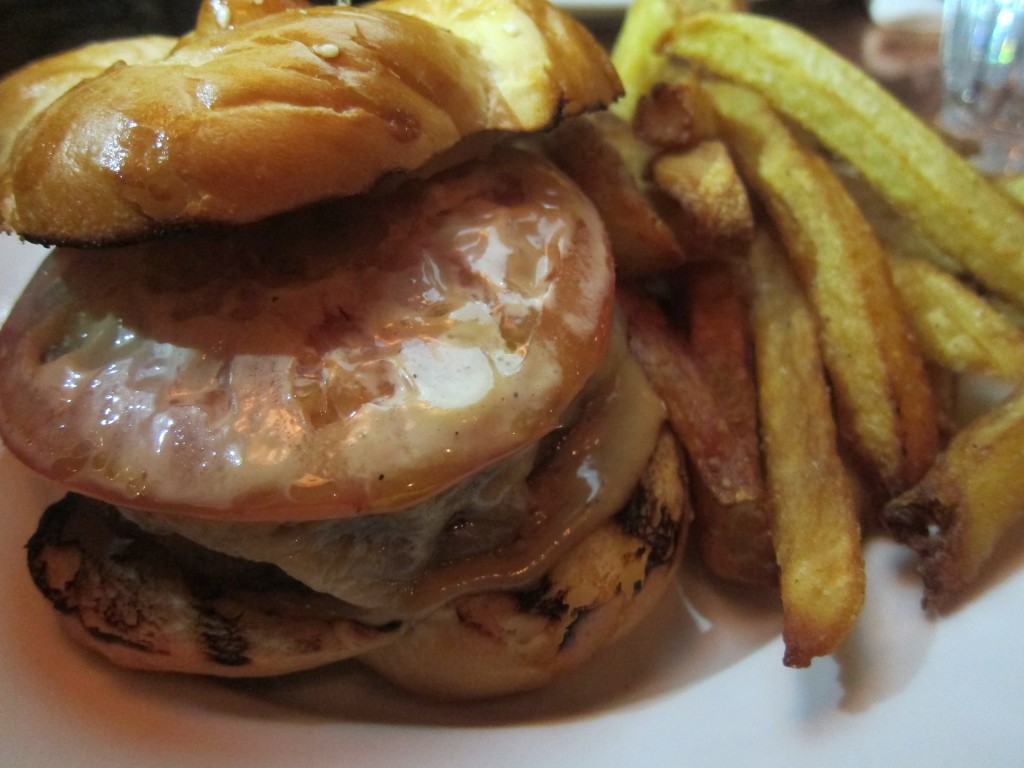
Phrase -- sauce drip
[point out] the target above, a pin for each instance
(326, 364)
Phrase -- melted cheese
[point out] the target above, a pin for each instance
(337, 363)
(501, 530)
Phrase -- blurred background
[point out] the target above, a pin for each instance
(902, 55)
(34, 28)
(30, 29)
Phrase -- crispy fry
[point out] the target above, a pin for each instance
(641, 241)
(885, 399)
(636, 53)
(1013, 185)
(693, 411)
(713, 213)
(815, 523)
(734, 539)
(897, 233)
(675, 115)
(903, 238)
(958, 328)
(957, 515)
(922, 177)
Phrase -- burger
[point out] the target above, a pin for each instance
(326, 352)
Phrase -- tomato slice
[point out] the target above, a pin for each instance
(354, 358)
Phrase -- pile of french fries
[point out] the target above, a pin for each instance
(808, 271)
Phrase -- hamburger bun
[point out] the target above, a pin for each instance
(328, 356)
(290, 108)
(145, 610)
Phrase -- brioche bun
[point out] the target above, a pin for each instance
(329, 369)
(287, 109)
(143, 610)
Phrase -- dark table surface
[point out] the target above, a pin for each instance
(903, 60)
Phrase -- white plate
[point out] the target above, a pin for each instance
(593, 7)
(700, 684)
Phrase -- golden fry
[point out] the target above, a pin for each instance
(957, 515)
(641, 241)
(815, 523)
(675, 115)
(1012, 185)
(897, 233)
(636, 53)
(957, 328)
(922, 177)
(693, 411)
(734, 539)
(884, 395)
(713, 215)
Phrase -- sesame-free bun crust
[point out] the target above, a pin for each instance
(287, 109)
(27, 92)
(496, 643)
(143, 609)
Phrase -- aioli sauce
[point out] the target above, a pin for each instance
(352, 359)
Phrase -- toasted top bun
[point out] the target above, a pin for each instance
(287, 109)
(27, 92)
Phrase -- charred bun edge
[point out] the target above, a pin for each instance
(169, 605)
(166, 604)
(494, 644)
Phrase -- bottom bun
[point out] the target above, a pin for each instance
(497, 643)
(169, 605)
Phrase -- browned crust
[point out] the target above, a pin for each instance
(172, 606)
(296, 107)
(493, 644)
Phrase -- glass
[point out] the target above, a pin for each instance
(983, 79)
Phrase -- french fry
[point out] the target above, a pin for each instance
(815, 525)
(957, 515)
(921, 176)
(957, 328)
(636, 53)
(641, 241)
(734, 539)
(676, 114)
(1013, 185)
(693, 412)
(636, 154)
(713, 214)
(886, 404)
(897, 233)
(902, 238)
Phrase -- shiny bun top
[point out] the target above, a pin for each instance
(267, 107)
